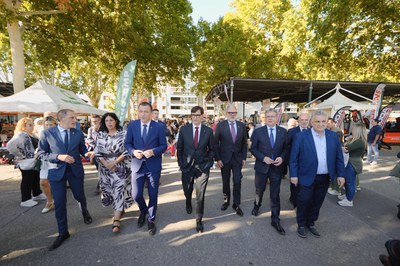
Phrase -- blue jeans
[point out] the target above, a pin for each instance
(350, 182)
(371, 149)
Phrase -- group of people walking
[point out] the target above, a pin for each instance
(130, 160)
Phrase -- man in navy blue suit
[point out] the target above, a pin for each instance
(303, 125)
(230, 154)
(268, 145)
(63, 145)
(145, 142)
(316, 157)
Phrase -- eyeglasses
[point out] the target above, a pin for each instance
(232, 113)
(196, 115)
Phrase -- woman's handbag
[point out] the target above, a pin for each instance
(29, 164)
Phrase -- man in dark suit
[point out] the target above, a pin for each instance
(303, 120)
(230, 154)
(195, 149)
(145, 142)
(63, 145)
(316, 157)
(268, 145)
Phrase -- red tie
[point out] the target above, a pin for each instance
(196, 137)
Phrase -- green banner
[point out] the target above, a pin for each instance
(124, 90)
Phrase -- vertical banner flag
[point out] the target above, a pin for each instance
(339, 115)
(124, 90)
(377, 100)
(384, 115)
(280, 108)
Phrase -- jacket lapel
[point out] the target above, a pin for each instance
(57, 135)
(311, 143)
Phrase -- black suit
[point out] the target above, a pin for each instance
(231, 154)
(293, 189)
(260, 148)
(195, 163)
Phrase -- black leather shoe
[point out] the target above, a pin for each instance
(385, 260)
(87, 219)
(188, 207)
(301, 232)
(224, 206)
(59, 240)
(141, 220)
(152, 228)
(199, 226)
(237, 209)
(278, 228)
(255, 210)
(313, 231)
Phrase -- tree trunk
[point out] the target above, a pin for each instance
(17, 48)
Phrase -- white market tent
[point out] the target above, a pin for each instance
(338, 100)
(41, 97)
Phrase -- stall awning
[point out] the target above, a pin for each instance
(279, 90)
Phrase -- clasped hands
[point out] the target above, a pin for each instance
(278, 161)
(139, 153)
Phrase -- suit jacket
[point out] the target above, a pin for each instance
(261, 147)
(51, 144)
(290, 135)
(188, 155)
(225, 148)
(155, 140)
(304, 161)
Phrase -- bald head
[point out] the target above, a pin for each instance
(304, 120)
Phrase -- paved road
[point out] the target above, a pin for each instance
(350, 236)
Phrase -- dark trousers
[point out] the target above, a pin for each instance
(310, 199)
(30, 184)
(293, 194)
(152, 179)
(59, 190)
(188, 180)
(236, 169)
(274, 189)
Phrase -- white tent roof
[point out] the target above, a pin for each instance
(40, 98)
(338, 100)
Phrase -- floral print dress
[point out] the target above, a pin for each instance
(115, 185)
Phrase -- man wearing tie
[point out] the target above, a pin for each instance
(303, 125)
(64, 145)
(268, 145)
(316, 156)
(195, 149)
(145, 142)
(230, 154)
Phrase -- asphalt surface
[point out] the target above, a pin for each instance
(350, 235)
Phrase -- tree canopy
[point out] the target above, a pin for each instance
(86, 43)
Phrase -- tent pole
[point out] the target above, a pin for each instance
(231, 87)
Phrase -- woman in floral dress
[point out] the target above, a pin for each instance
(114, 167)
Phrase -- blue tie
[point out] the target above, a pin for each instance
(144, 134)
(271, 137)
(66, 141)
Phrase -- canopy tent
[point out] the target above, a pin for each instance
(338, 100)
(41, 97)
(297, 91)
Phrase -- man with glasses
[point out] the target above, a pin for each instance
(195, 149)
(268, 145)
(230, 154)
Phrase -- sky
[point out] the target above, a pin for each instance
(209, 10)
